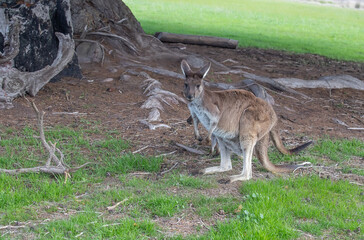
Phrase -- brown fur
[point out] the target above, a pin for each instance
(238, 120)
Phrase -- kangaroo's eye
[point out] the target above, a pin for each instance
(198, 86)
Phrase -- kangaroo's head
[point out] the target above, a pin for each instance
(194, 80)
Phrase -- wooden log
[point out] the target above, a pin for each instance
(195, 39)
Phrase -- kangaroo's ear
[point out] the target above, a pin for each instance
(204, 70)
(186, 69)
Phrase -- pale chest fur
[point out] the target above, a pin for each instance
(231, 141)
(203, 115)
(206, 118)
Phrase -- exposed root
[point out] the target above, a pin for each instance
(156, 97)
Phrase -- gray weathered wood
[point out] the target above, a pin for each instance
(199, 40)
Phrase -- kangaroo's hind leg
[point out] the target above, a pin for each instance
(249, 130)
(247, 147)
(225, 164)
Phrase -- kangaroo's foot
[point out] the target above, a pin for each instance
(240, 177)
(216, 169)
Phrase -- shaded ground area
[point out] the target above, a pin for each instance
(104, 96)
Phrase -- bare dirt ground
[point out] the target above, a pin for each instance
(114, 104)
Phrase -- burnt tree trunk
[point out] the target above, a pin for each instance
(30, 47)
(37, 46)
(38, 42)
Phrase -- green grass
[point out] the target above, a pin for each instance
(332, 151)
(284, 25)
(339, 150)
(21, 150)
(280, 208)
(91, 226)
(188, 181)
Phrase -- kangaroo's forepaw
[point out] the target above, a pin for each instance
(240, 177)
(216, 169)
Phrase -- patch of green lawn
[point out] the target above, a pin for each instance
(182, 180)
(90, 225)
(284, 25)
(265, 209)
(21, 150)
(339, 150)
(282, 208)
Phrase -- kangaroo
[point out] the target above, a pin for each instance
(239, 121)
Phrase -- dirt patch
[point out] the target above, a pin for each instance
(105, 99)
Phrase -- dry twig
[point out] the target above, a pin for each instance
(164, 172)
(192, 150)
(117, 204)
(141, 149)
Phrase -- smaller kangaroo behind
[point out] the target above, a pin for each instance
(239, 121)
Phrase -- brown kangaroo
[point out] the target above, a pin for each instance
(239, 122)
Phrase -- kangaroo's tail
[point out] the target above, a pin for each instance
(261, 151)
(279, 145)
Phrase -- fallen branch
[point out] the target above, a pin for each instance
(192, 150)
(141, 149)
(166, 171)
(14, 227)
(59, 165)
(199, 40)
(356, 183)
(166, 154)
(356, 128)
(79, 235)
(139, 173)
(339, 122)
(154, 126)
(68, 113)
